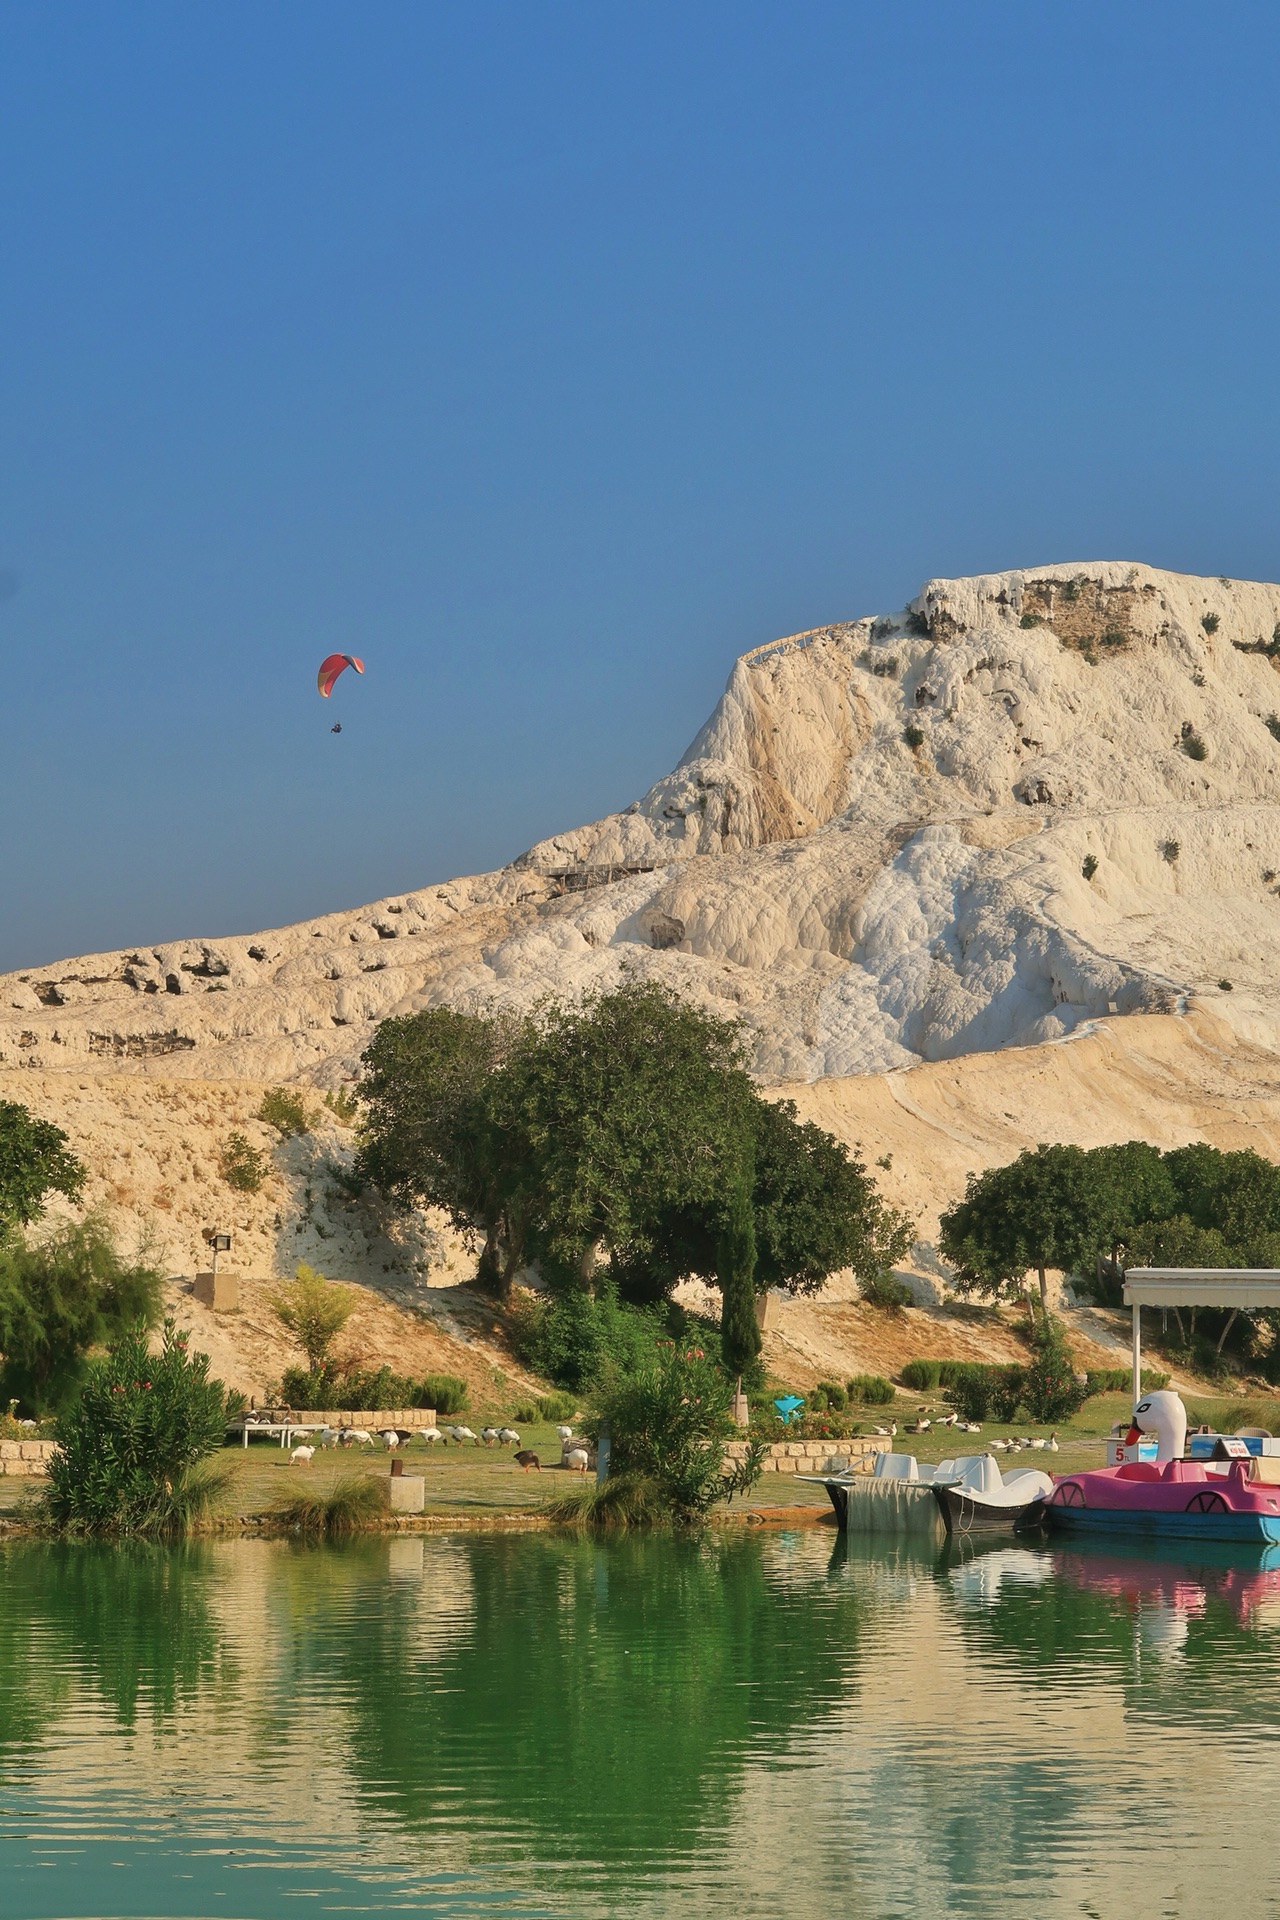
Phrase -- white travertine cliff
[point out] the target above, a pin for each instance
(1029, 800)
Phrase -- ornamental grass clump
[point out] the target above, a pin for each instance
(351, 1504)
(130, 1447)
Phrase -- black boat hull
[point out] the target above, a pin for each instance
(963, 1514)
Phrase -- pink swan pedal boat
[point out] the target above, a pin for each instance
(1170, 1497)
(1183, 1499)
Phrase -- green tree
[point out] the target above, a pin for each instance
(1136, 1186)
(130, 1441)
(1234, 1194)
(1047, 1208)
(34, 1161)
(430, 1137)
(59, 1297)
(634, 1107)
(816, 1208)
(314, 1310)
(604, 1139)
(1050, 1389)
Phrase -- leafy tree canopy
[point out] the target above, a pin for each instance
(314, 1310)
(60, 1296)
(34, 1161)
(1061, 1206)
(610, 1137)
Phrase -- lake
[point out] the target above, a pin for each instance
(749, 1724)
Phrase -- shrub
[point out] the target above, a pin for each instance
(284, 1110)
(60, 1296)
(913, 735)
(1119, 1380)
(130, 1443)
(1029, 620)
(1050, 1389)
(243, 1167)
(342, 1106)
(1225, 986)
(884, 1289)
(1273, 725)
(922, 1376)
(667, 1425)
(446, 1392)
(980, 1392)
(828, 1397)
(1194, 747)
(871, 1390)
(1113, 637)
(346, 1384)
(886, 668)
(1089, 866)
(576, 1338)
(556, 1407)
(314, 1310)
(1210, 622)
(1170, 849)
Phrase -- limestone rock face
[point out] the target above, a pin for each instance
(1026, 801)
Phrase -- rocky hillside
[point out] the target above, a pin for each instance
(1024, 802)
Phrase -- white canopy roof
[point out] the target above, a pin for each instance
(1202, 1287)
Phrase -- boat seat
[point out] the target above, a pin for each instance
(897, 1466)
(1264, 1468)
(1139, 1470)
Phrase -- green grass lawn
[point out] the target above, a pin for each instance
(476, 1481)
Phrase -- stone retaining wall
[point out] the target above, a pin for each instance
(25, 1458)
(813, 1456)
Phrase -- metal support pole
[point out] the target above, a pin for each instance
(1137, 1353)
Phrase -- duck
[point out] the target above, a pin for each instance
(1051, 1444)
(886, 1433)
(489, 1435)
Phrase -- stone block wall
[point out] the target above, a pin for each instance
(25, 1459)
(814, 1456)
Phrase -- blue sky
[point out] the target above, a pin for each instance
(548, 356)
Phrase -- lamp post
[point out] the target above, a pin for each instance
(217, 1243)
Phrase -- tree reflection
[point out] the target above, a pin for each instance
(132, 1620)
(606, 1696)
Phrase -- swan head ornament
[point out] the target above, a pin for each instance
(1164, 1415)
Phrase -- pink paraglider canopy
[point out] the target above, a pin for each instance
(332, 667)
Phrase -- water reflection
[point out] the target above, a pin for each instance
(730, 1725)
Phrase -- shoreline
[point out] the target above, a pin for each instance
(267, 1527)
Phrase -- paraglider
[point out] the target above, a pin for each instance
(336, 727)
(331, 667)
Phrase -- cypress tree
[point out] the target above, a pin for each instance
(739, 1328)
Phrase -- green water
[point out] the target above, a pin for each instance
(761, 1726)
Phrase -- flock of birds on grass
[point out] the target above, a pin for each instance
(1012, 1443)
(575, 1457)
